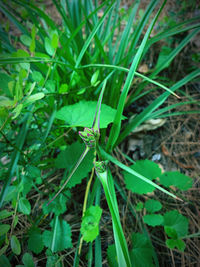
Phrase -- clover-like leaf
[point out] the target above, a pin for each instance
(176, 221)
(148, 169)
(181, 181)
(90, 223)
(172, 243)
(153, 219)
(152, 205)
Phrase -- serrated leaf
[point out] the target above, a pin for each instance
(58, 206)
(176, 221)
(90, 223)
(35, 241)
(153, 219)
(82, 114)
(28, 260)
(68, 158)
(152, 205)
(15, 245)
(172, 243)
(4, 228)
(60, 237)
(181, 181)
(24, 206)
(141, 250)
(112, 256)
(148, 169)
(48, 46)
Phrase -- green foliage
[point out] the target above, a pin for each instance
(51, 78)
(82, 114)
(146, 168)
(59, 238)
(90, 223)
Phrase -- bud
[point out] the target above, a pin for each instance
(89, 136)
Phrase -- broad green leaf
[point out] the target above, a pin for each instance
(24, 206)
(25, 39)
(60, 237)
(171, 232)
(112, 256)
(153, 219)
(68, 158)
(5, 214)
(17, 111)
(152, 205)
(48, 46)
(63, 88)
(58, 206)
(4, 261)
(146, 168)
(53, 260)
(172, 243)
(181, 181)
(36, 76)
(35, 241)
(33, 171)
(82, 114)
(90, 223)
(6, 102)
(176, 221)
(4, 228)
(15, 245)
(28, 260)
(141, 253)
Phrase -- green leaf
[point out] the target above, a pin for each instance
(33, 171)
(181, 181)
(139, 206)
(4, 261)
(146, 168)
(5, 80)
(24, 206)
(94, 78)
(54, 40)
(153, 219)
(63, 88)
(53, 260)
(35, 241)
(172, 243)
(112, 256)
(171, 232)
(32, 98)
(5, 214)
(58, 206)
(90, 223)
(142, 249)
(15, 245)
(48, 46)
(60, 237)
(26, 40)
(176, 221)
(17, 111)
(50, 85)
(4, 228)
(28, 260)
(82, 114)
(68, 158)
(37, 76)
(152, 205)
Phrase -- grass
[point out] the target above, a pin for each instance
(51, 68)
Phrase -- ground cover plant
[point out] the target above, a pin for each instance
(67, 92)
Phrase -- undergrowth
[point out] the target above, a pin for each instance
(64, 89)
